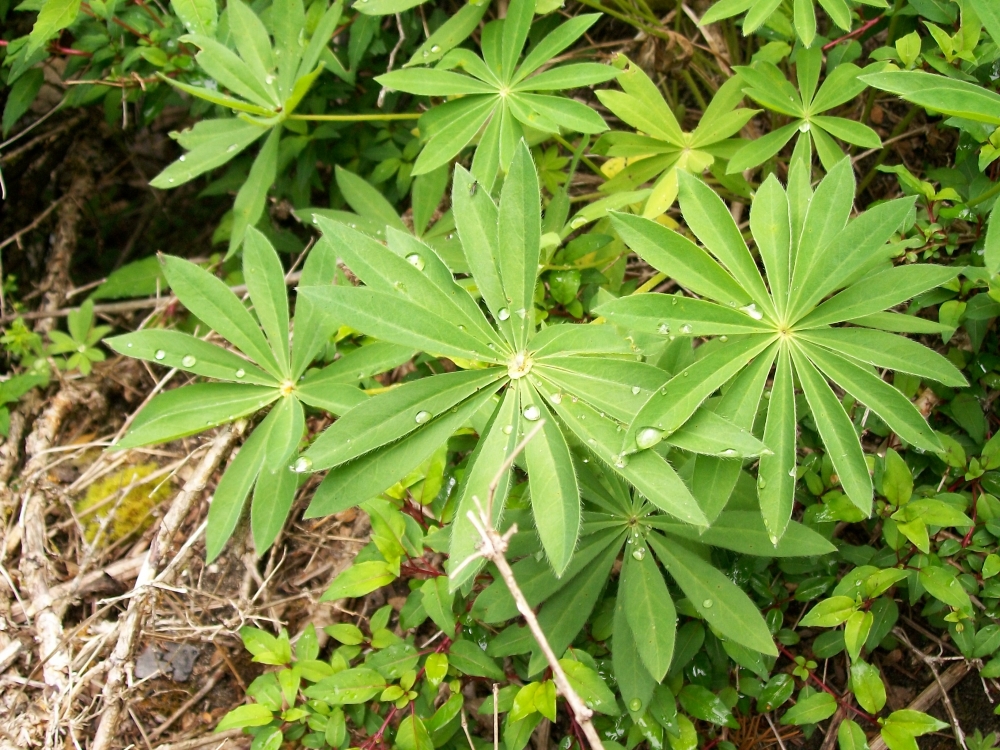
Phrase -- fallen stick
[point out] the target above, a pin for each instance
(493, 547)
(113, 694)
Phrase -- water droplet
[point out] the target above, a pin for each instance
(416, 260)
(171, 180)
(578, 222)
(723, 339)
(302, 465)
(635, 704)
(774, 540)
(183, 158)
(232, 148)
(639, 553)
(707, 604)
(752, 311)
(622, 461)
(189, 361)
(451, 236)
(647, 437)
(435, 49)
(426, 53)
(240, 373)
(504, 313)
(556, 398)
(268, 80)
(761, 483)
(636, 390)
(730, 452)
(685, 329)
(531, 412)
(422, 417)
(508, 429)
(160, 354)
(663, 329)
(791, 472)
(804, 127)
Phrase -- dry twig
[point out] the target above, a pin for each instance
(493, 547)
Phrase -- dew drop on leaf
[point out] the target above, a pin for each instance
(622, 461)
(240, 373)
(422, 417)
(663, 329)
(189, 361)
(685, 329)
(416, 260)
(636, 390)
(647, 437)
(504, 313)
(639, 553)
(556, 398)
(531, 413)
(160, 354)
(508, 429)
(707, 604)
(752, 311)
(635, 704)
(302, 465)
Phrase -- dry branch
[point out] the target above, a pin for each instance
(143, 594)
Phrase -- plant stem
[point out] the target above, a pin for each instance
(374, 117)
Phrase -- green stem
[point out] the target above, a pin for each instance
(693, 87)
(983, 197)
(569, 147)
(357, 118)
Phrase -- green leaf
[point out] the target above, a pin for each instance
(252, 195)
(647, 471)
(947, 96)
(771, 228)
(496, 443)
(811, 710)
(212, 301)
(394, 414)
(351, 686)
(713, 224)
(715, 597)
(54, 16)
(398, 321)
(887, 351)
(228, 69)
(847, 130)
(20, 97)
(759, 150)
(744, 532)
(830, 612)
(553, 43)
(615, 387)
(850, 736)
(192, 409)
(837, 432)
(992, 245)
(252, 715)
(359, 579)
(895, 409)
(212, 143)
(945, 587)
(776, 474)
(866, 684)
(635, 683)
(412, 734)
(274, 493)
(678, 257)
(519, 218)
(231, 493)
(671, 406)
(437, 601)
(465, 117)
(198, 16)
(805, 21)
(702, 703)
(251, 40)
(366, 200)
(897, 480)
(673, 314)
(555, 496)
(186, 352)
(265, 279)
(651, 613)
(449, 34)
(515, 32)
(590, 687)
(469, 659)
(367, 476)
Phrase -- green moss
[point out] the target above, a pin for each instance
(132, 512)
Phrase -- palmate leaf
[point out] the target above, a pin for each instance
(766, 85)
(758, 12)
(499, 94)
(264, 462)
(821, 252)
(411, 300)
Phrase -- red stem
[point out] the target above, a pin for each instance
(841, 700)
(850, 35)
